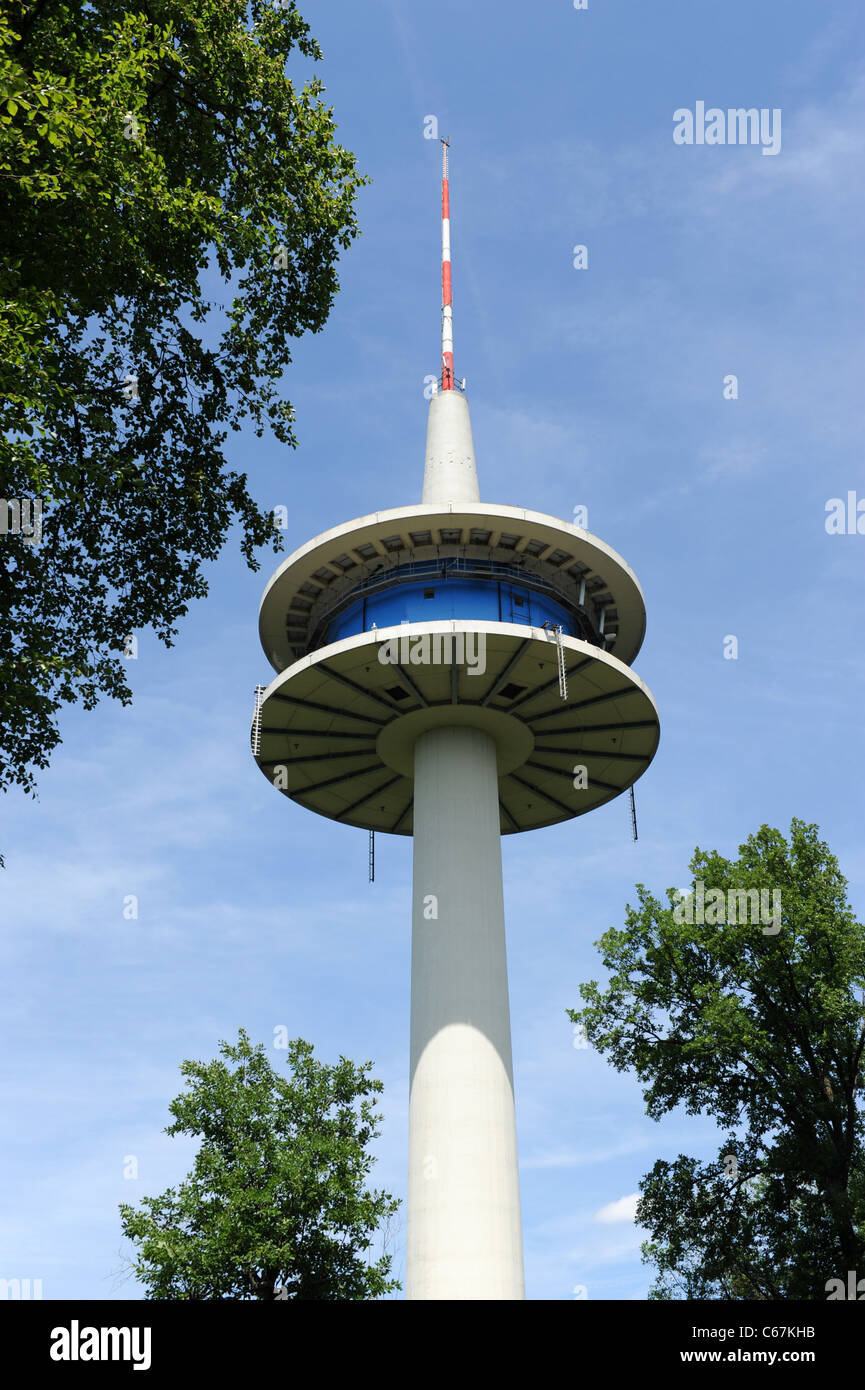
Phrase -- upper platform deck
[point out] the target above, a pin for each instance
(324, 577)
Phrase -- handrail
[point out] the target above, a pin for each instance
(417, 570)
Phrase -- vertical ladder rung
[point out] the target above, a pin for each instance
(256, 721)
(563, 674)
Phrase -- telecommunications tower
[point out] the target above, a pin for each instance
(455, 671)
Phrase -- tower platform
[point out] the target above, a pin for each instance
(323, 579)
(337, 728)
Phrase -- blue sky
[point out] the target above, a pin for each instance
(601, 387)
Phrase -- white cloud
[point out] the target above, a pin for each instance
(737, 458)
(625, 1209)
(568, 1158)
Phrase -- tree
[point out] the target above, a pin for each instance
(760, 1025)
(155, 157)
(275, 1206)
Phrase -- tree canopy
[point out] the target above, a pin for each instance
(761, 1025)
(276, 1205)
(175, 205)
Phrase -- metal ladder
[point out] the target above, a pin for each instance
(256, 721)
(563, 674)
(560, 657)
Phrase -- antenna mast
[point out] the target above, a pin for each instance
(447, 301)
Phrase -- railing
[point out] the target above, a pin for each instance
(444, 568)
(448, 382)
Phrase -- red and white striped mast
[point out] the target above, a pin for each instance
(450, 474)
(447, 375)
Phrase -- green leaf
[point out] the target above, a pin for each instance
(103, 243)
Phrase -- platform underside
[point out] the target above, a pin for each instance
(337, 729)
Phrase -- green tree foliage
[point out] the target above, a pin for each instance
(174, 207)
(763, 1031)
(275, 1206)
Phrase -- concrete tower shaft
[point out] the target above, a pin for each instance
(450, 473)
(464, 1237)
